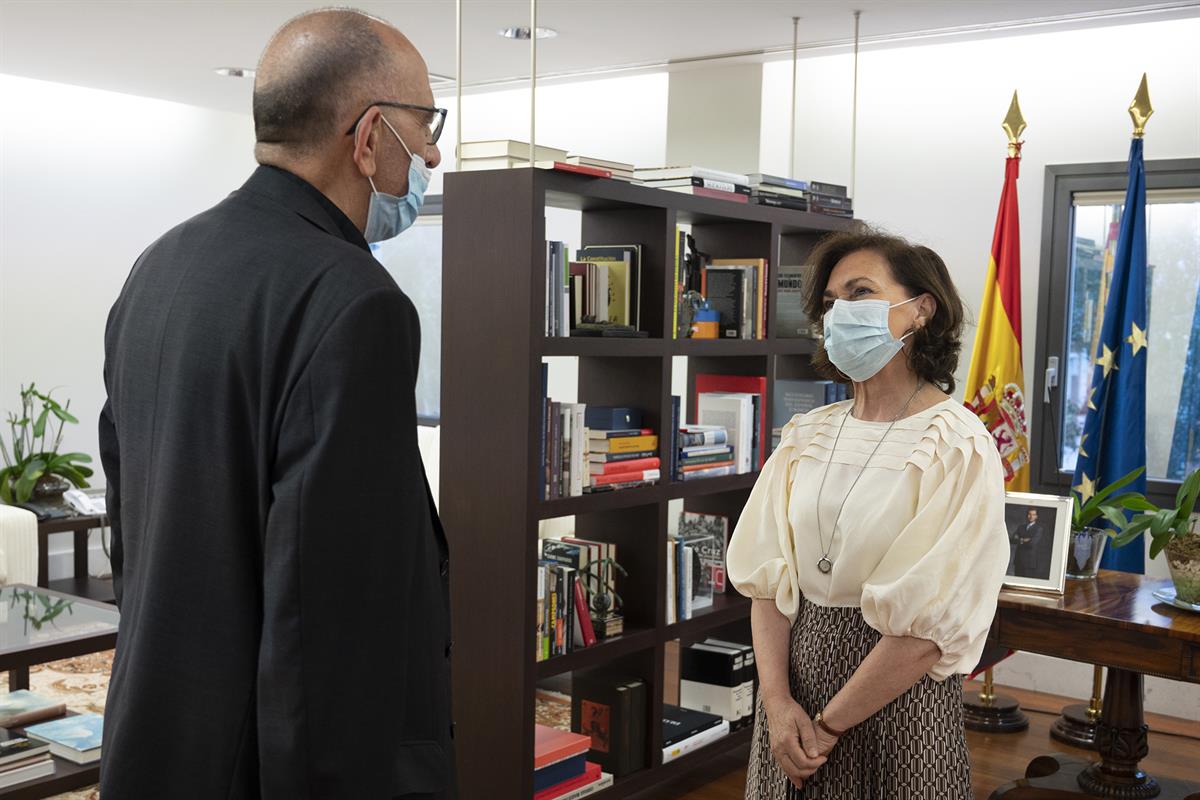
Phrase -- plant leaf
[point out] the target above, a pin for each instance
(39, 424)
(1134, 502)
(71, 474)
(63, 414)
(1119, 483)
(24, 486)
(1157, 544)
(1115, 516)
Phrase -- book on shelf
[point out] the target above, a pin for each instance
(702, 436)
(796, 396)
(832, 189)
(559, 757)
(625, 444)
(592, 781)
(689, 266)
(675, 434)
(619, 169)
(616, 467)
(776, 182)
(830, 202)
(578, 169)
(712, 678)
(708, 527)
(23, 707)
(672, 593)
(508, 148)
(558, 306)
(76, 738)
(612, 711)
(791, 320)
(15, 747)
(745, 434)
(26, 769)
(673, 173)
(595, 459)
(624, 280)
(776, 200)
(711, 471)
(612, 419)
(685, 730)
(755, 325)
(647, 476)
(749, 677)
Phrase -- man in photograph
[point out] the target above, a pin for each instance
(1029, 540)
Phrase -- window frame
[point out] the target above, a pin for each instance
(1061, 183)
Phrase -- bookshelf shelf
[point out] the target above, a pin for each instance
(726, 608)
(703, 486)
(599, 653)
(601, 501)
(602, 346)
(491, 437)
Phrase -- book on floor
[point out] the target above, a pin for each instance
(76, 738)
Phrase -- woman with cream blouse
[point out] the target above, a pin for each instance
(873, 544)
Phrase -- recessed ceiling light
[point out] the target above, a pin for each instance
(522, 32)
(235, 72)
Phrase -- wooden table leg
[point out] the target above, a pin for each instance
(18, 678)
(43, 578)
(81, 554)
(1121, 740)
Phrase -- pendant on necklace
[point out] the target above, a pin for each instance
(824, 565)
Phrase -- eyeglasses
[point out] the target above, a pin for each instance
(437, 117)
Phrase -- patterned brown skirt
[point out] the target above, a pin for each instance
(912, 749)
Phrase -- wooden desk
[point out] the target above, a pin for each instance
(1117, 622)
(81, 584)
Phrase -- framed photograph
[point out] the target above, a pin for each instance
(1039, 533)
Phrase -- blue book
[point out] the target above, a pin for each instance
(555, 774)
(74, 738)
(775, 180)
(611, 418)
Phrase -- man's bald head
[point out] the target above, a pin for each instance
(319, 69)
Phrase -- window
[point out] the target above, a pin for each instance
(1083, 207)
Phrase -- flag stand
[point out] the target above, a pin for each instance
(993, 713)
(1077, 724)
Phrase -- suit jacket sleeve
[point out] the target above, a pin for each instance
(351, 628)
(110, 458)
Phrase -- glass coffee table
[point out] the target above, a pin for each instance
(39, 625)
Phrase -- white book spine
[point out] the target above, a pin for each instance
(693, 743)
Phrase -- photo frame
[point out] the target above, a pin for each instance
(1039, 533)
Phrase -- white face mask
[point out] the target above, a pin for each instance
(389, 216)
(858, 340)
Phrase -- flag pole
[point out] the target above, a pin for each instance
(988, 711)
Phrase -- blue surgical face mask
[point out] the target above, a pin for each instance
(858, 339)
(389, 216)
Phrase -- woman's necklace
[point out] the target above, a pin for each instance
(824, 564)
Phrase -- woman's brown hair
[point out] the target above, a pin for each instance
(934, 350)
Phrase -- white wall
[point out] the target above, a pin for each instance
(88, 179)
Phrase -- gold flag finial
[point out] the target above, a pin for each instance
(1014, 124)
(1140, 109)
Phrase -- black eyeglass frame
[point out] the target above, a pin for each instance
(435, 127)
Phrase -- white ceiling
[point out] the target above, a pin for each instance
(168, 49)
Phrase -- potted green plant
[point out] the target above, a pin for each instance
(1173, 530)
(1088, 540)
(31, 469)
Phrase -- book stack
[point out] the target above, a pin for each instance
(772, 190)
(76, 737)
(685, 730)
(792, 397)
(23, 759)
(616, 169)
(829, 198)
(504, 154)
(698, 181)
(737, 289)
(621, 454)
(735, 403)
(561, 770)
(704, 452)
(612, 711)
(571, 573)
(713, 678)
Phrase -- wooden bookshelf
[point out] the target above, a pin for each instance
(492, 348)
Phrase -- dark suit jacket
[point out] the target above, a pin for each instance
(279, 566)
(1029, 562)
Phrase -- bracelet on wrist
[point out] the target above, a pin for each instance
(820, 720)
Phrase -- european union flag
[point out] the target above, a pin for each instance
(1114, 433)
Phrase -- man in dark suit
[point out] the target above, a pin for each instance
(279, 565)
(1028, 539)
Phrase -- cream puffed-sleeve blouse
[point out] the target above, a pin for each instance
(921, 545)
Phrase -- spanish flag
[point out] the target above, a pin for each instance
(995, 388)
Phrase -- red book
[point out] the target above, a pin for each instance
(750, 384)
(626, 477)
(712, 465)
(583, 616)
(595, 172)
(550, 745)
(633, 465)
(591, 774)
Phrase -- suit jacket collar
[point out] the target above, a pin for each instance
(306, 200)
